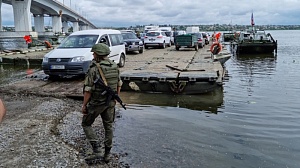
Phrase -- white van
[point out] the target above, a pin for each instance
(152, 28)
(165, 28)
(73, 56)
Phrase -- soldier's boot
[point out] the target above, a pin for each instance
(107, 155)
(97, 152)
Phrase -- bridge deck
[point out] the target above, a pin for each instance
(165, 67)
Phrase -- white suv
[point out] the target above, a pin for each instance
(157, 39)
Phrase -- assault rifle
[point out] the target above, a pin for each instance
(111, 94)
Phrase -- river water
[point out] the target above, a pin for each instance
(253, 121)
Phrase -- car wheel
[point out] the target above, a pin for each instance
(177, 48)
(122, 60)
(196, 47)
(164, 45)
(141, 50)
(146, 47)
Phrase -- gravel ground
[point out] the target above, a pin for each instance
(45, 132)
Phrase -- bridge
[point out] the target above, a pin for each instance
(61, 15)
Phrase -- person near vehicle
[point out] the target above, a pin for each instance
(94, 103)
(2, 111)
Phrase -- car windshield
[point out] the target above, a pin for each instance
(129, 36)
(79, 41)
(153, 34)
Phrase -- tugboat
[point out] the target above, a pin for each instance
(255, 41)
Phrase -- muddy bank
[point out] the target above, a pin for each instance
(42, 131)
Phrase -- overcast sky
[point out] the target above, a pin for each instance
(118, 13)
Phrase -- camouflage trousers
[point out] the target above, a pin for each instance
(107, 114)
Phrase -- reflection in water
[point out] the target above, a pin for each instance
(256, 64)
(205, 102)
(9, 72)
(253, 66)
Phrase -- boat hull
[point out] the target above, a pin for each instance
(170, 87)
(179, 83)
(256, 48)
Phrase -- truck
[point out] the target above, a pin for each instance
(192, 30)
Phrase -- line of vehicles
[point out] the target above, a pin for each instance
(156, 36)
(73, 55)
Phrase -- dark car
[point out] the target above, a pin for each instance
(132, 42)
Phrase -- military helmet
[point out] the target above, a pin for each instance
(101, 49)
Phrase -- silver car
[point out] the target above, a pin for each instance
(201, 40)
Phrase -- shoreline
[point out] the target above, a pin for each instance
(45, 131)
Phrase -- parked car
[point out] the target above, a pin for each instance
(132, 42)
(206, 37)
(171, 35)
(73, 56)
(157, 39)
(201, 40)
(142, 36)
(130, 31)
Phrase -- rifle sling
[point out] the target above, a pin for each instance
(102, 74)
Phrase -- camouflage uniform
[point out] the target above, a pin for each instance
(97, 102)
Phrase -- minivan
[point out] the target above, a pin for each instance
(73, 56)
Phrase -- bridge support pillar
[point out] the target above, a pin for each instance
(39, 23)
(56, 24)
(65, 27)
(75, 26)
(22, 16)
(84, 27)
(0, 16)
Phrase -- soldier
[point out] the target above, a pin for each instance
(94, 103)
